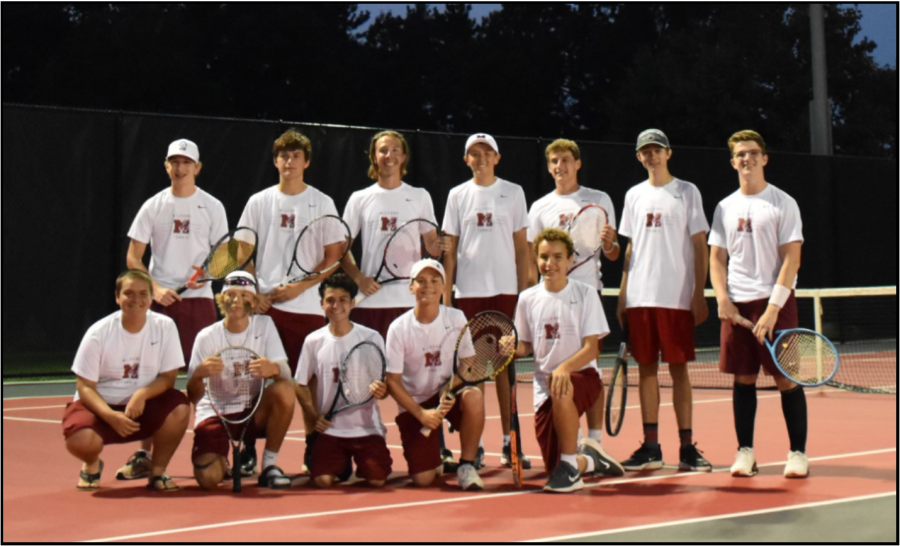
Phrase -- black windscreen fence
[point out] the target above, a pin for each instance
(73, 181)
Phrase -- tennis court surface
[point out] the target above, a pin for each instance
(849, 497)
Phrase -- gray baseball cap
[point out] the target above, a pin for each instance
(652, 136)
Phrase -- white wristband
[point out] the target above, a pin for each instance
(780, 295)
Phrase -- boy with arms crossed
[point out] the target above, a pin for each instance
(561, 321)
(661, 296)
(755, 246)
(358, 432)
(240, 328)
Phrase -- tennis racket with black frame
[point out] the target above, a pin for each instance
(585, 231)
(234, 395)
(484, 348)
(406, 246)
(319, 249)
(231, 253)
(364, 364)
(515, 438)
(804, 356)
(617, 397)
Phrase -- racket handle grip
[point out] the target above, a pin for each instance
(180, 290)
(236, 469)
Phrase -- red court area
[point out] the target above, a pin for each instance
(852, 448)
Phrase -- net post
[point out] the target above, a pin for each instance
(817, 307)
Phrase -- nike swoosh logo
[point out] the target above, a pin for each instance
(313, 206)
(153, 342)
(199, 207)
(503, 196)
(409, 200)
(257, 337)
(572, 479)
(604, 463)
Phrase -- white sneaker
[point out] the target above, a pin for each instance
(744, 463)
(468, 477)
(797, 465)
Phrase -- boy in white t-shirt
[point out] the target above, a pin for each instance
(240, 328)
(558, 209)
(420, 347)
(661, 296)
(486, 223)
(561, 321)
(180, 223)
(377, 212)
(278, 214)
(755, 246)
(125, 372)
(356, 433)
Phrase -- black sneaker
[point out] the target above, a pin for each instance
(450, 465)
(248, 461)
(604, 464)
(691, 459)
(564, 479)
(506, 459)
(645, 458)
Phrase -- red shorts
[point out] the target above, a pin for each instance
(741, 353)
(423, 453)
(378, 319)
(190, 315)
(331, 455)
(156, 411)
(505, 303)
(586, 385)
(293, 329)
(210, 436)
(652, 330)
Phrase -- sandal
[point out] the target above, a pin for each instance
(92, 481)
(162, 483)
(273, 478)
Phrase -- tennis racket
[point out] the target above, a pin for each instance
(484, 348)
(406, 246)
(362, 366)
(232, 252)
(585, 231)
(319, 249)
(804, 356)
(234, 395)
(515, 439)
(618, 389)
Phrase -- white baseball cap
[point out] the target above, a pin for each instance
(239, 280)
(425, 264)
(482, 137)
(184, 147)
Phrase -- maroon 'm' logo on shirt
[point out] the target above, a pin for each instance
(336, 373)
(565, 220)
(388, 223)
(182, 227)
(485, 219)
(131, 371)
(287, 221)
(433, 359)
(745, 225)
(551, 331)
(654, 219)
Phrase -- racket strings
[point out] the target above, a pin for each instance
(310, 250)
(805, 357)
(235, 389)
(360, 369)
(230, 256)
(490, 355)
(586, 228)
(407, 246)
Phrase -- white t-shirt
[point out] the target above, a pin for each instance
(558, 211)
(485, 219)
(278, 219)
(556, 325)
(660, 222)
(121, 362)
(180, 232)
(321, 357)
(377, 213)
(261, 337)
(752, 228)
(423, 353)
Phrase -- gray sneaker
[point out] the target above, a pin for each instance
(564, 479)
(468, 477)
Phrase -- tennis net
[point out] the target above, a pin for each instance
(861, 322)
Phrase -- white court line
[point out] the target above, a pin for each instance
(39, 397)
(33, 408)
(714, 518)
(471, 498)
(5, 418)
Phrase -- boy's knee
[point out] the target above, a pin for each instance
(324, 482)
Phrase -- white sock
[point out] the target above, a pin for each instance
(596, 434)
(269, 458)
(481, 444)
(571, 459)
(590, 465)
(505, 440)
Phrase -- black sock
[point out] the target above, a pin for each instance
(465, 462)
(793, 404)
(744, 413)
(651, 434)
(686, 435)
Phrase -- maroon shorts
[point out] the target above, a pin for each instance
(293, 329)
(378, 319)
(210, 436)
(423, 453)
(586, 385)
(652, 330)
(505, 303)
(741, 353)
(156, 411)
(190, 315)
(331, 455)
